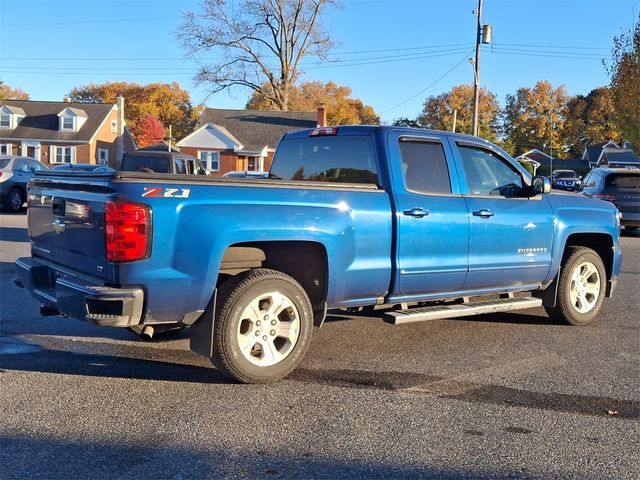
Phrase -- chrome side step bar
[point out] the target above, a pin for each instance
(423, 314)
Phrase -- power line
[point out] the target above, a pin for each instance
(430, 85)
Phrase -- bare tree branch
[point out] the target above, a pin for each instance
(254, 43)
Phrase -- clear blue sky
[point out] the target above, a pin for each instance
(392, 53)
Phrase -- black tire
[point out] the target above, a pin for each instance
(15, 199)
(236, 323)
(579, 303)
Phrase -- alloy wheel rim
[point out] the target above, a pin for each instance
(268, 330)
(585, 287)
(15, 200)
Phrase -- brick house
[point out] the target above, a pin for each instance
(64, 132)
(243, 140)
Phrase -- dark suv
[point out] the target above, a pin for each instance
(565, 180)
(621, 186)
(161, 162)
(15, 172)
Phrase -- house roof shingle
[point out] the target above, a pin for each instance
(256, 129)
(41, 120)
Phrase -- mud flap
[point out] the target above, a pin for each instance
(201, 338)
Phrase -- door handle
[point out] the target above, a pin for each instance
(416, 212)
(485, 213)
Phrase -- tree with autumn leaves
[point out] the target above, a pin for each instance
(167, 102)
(342, 109)
(439, 111)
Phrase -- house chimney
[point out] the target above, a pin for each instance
(322, 116)
(119, 130)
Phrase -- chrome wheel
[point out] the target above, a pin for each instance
(268, 329)
(585, 287)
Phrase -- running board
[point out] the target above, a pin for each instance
(423, 314)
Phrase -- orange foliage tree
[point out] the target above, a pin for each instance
(308, 96)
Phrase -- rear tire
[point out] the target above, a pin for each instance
(15, 200)
(262, 327)
(581, 287)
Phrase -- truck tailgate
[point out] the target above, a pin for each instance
(67, 221)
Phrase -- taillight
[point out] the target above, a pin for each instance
(323, 131)
(127, 231)
(605, 196)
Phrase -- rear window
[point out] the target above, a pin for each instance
(342, 159)
(146, 164)
(4, 162)
(623, 180)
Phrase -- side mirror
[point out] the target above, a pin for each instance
(540, 184)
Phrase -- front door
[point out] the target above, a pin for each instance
(432, 234)
(510, 235)
(31, 149)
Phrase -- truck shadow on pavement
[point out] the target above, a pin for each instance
(38, 359)
(41, 457)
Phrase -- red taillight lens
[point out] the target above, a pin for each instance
(127, 231)
(323, 132)
(605, 196)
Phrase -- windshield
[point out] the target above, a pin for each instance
(146, 163)
(4, 162)
(566, 174)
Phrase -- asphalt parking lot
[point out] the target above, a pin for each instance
(495, 396)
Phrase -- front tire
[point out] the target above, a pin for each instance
(581, 287)
(262, 327)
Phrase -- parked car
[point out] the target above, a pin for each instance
(153, 161)
(15, 172)
(620, 186)
(565, 180)
(246, 174)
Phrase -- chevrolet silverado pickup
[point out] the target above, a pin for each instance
(411, 224)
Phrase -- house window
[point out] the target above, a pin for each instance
(64, 154)
(103, 156)
(67, 123)
(5, 149)
(5, 120)
(114, 126)
(211, 160)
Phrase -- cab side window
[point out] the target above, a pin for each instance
(424, 167)
(487, 174)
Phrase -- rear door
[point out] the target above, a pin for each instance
(432, 225)
(510, 236)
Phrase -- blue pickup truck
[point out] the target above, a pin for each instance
(411, 224)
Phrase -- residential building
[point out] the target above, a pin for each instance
(64, 132)
(610, 154)
(243, 140)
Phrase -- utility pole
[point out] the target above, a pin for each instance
(483, 36)
(476, 71)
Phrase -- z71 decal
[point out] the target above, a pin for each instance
(166, 192)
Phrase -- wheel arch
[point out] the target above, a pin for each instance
(601, 243)
(305, 261)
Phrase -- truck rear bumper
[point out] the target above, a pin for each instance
(78, 297)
